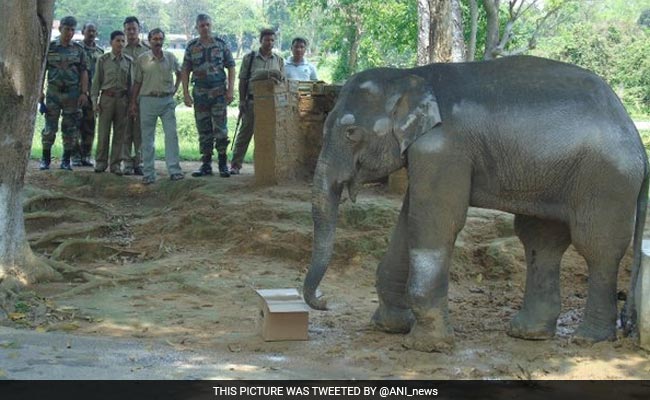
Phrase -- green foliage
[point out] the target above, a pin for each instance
(610, 43)
(366, 33)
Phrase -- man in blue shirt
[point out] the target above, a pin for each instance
(296, 67)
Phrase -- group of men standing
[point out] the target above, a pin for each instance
(133, 85)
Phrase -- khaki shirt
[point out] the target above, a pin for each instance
(273, 62)
(112, 73)
(156, 76)
(134, 51)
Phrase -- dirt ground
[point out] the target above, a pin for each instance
(179, 262)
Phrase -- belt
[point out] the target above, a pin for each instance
(157, 94)
(114, 93)
(63, 88)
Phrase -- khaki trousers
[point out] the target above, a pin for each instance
(113, 113)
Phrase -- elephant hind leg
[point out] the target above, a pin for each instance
(545, 242)
(394, 314)
(603, 244)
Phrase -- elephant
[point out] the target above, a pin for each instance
(544, 140)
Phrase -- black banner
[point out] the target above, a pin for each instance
(209, 390)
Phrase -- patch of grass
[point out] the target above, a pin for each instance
(188, 138)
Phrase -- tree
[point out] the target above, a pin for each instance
(238, 18)
(21, 71)
(499, 36)
(108, 15)
(440, 32)
(185, 12)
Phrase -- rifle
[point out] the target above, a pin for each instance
(245, 99)
(234, 138)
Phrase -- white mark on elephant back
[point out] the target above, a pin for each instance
(347, 119)
(371, 87)
(467, 108)
(382, 126)
(427, 267)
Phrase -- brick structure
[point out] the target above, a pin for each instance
(289, 119)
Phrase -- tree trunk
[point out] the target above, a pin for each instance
(458, 41)
(440, 49)
(439, 32)
(424, 28)
(492, 34)
(21, 72)
(473, 12)
(355, 39)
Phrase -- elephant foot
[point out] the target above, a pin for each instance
(393, 319)
(431, 333)
(587, 335)
(523, 327)
(425, 340)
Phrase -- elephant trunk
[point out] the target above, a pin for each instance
(326, 196)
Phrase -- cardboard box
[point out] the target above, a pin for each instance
(285, 316)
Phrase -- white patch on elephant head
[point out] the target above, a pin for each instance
(347, 119)
(427, 268)
(382, 126)
(391, 102)
(409, 120)
(371, 87)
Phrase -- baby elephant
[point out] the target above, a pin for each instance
(546, 141)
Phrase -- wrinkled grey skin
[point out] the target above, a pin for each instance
(547, 141)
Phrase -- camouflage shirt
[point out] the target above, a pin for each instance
(65, 65)
(207, 62)
(92, 54)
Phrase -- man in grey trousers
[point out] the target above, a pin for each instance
(153, 98)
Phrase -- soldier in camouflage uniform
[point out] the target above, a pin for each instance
(67, 91)
(205, 58)
(83, 146)
(133, 135)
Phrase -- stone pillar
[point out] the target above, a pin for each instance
(642, 297)
(271, 148)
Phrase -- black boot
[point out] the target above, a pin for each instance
(206, 167)
(65, 161)
(223, 166)
(85, 156)
(45, 161)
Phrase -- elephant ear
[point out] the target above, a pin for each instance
(413, 108)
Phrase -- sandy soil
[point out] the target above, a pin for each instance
(179, 262)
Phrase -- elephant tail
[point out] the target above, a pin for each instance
(629, 314)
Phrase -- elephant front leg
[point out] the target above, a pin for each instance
(438, 203)
(428, 288)
(394, 314)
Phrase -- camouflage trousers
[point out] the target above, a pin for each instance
(61, 104)
(84, 142)
(211, 119)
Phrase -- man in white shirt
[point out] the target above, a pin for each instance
(296, 67)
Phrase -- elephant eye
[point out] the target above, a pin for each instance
(353, 134)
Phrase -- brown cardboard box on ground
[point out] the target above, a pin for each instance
(285, 316)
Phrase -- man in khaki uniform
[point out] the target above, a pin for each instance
(111, 80)
(132, 154)
(253, 62)
(84, 142)
(153, 97)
